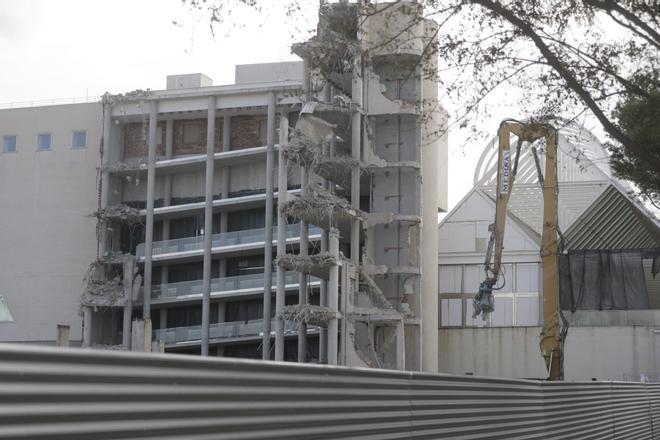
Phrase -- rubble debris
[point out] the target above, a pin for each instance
(305, 263)
(370, 289)
(309, 314)
(122, 213)
(130, 165)
(103, 293)
(302, 149)
(307, 153)
(320, 207)
(337, 169)
(100, 290)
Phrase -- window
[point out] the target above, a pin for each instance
(44, 141)
(79, 139)
(9, 144)
(517, 303)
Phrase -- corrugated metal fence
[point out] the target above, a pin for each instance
(71, 394)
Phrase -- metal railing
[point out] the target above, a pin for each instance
(194, 289)
(49, 393)
(222, 239)
(222, 330)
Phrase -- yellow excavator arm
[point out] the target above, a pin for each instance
(527, 133)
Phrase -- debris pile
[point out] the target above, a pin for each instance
(302, 149)
(101, 290)
(305, 263)
(320, 207)
(121, 212)
(309, 314)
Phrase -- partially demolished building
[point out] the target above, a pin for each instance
(318, 182)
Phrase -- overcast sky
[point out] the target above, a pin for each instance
(75, 48)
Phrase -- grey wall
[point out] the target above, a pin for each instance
(268, 72)
(47, 237)
(605, 353)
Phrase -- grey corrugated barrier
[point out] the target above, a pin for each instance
(49, 393)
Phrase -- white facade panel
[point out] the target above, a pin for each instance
(46, 228)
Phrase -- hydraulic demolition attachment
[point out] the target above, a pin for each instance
(528, 133)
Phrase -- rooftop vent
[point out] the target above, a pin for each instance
(188, 81)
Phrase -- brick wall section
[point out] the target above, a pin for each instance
(198, 145)
(135, 140)
(245, 133)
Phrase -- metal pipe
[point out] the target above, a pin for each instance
(208, 225)
(149, 229)
(268, 245)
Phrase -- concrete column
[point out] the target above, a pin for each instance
(323, 299)
(208, 224)
(268, 248)
(149, 233)
(429, 145)
(282, 188)
(87, 327)
(302, 279)
(356, 137)
(128, 275)
(400, 346)
(167, 191)
(333, 298)
(105, 175)
(63, 331)
(141, 335)
(224, 180)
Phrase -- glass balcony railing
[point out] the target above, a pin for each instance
(220, 240)
(186, 289)
(223, 330)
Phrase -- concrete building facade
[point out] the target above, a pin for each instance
(48, 191)
(306, 193)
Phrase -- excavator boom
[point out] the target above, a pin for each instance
(527, 133)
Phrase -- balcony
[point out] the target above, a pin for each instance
(219, 205)
(241, 285)
(234, 243)
(222, 332)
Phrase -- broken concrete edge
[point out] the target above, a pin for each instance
(309, 314)
(306, 263)
(319, 206)
(120, 212)
(381, 218)
(381, 269)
